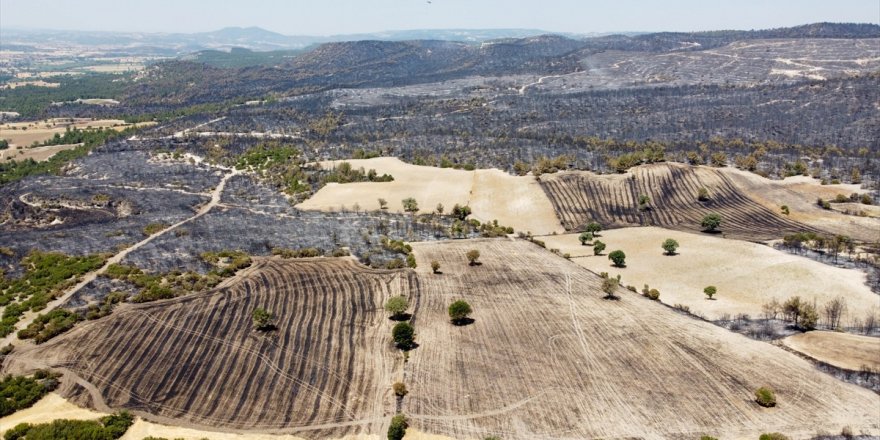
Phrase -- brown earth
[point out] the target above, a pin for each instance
(612, 200)
(842, 350)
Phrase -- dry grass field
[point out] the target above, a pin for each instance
(26, 133)
(548, 357)
(36, 153)
(842, 350)
(746, 274)
(612, 200)
(799, 193)
(197, 362)
(514, 201)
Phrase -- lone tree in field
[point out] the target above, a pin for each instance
(383, 204)
(399, 389)
(598, 247)
(710, 291)
(410, 205)
(404, 335)
(594, 228)
(711, 222)
(473, 255)
(609, 285)
(397, 429)
(618, 258)
(396, 306)
(670, 246)
(459, 312)
(765, 397)
(703, 194)
(585, 237)
(435, 266)
(263, 320)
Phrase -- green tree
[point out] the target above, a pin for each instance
(702, 194)
(435, 266)
(263, 320)
(399, 389)
(598, 247)
(670, 246)
(710, 291)
(461, 212)
(398, 426)
(594, 228)
(609, 286)
(459, 311)
(618, 258)
(396, 306)
(711, 222)
(410, 205)
(585, 237)
(404, 335)
(765, 397)
(473, 256)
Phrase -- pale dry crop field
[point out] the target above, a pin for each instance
(26, 133)
(36, 153)
(843, 350)
(548, 357)
(746, 274)
(516, 201)
(799, 193)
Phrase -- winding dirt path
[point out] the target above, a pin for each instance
(29, 316)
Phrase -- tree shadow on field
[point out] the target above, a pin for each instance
(401, 317)
(611, 297)
(412, 346)
(476, 263)
(713, 232)
(463, 322)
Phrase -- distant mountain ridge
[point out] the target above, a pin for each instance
(259, 39)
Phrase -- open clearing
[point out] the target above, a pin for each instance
(548, 357)
(36, 153)
(492, 194)
(746, 274)
(842, 350)
(196, 360)
(26, 133)
(580, 197)
(799, 193)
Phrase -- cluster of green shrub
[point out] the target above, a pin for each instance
(109, 302)
(345, 173)
(77, 136)
(278, 164)
(153, 287)
(309, 252)
(19, 392)
(109, 427)
(47, 274)
(399, 247)
(45, 327)
(651, 152)
(153, 228)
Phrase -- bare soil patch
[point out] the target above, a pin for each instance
(492, 194)
(842, 350)
(746, 274)
(547, 357)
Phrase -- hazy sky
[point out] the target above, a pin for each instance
(325, 17)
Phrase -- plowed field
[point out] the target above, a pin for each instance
(196, 360)
(547, 357)
(613, 201)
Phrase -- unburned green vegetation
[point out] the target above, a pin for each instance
(19, 392)
(109, 427)
(46, 276)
